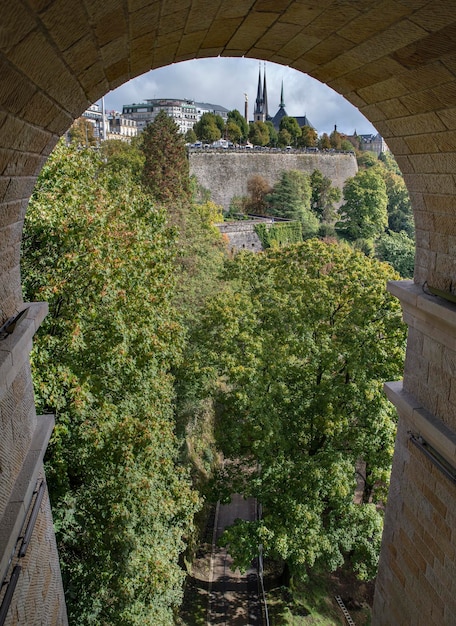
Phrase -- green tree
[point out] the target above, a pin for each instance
(308, 137)
(233, 132)
(166, 169)
(389, 162)
(239, 120)
(200, 254)
(363, 214)
(346, 145)
(273, 136)
(367, 159)
(400, 214)
(294, 353)
(190, 136)
(324, 142)
(220, 123)
(335, 139)
(259, 133)
(324, 197)
(122, 156)
(208, 128)
(284, 138)
(238, 206)
(291, 125)
(81, 133)
(398, 249)
(101, 254)
(290, 199)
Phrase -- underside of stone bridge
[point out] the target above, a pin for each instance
(393, 59)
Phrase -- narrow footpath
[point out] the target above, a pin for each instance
(233, 597)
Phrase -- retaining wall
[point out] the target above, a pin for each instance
(226, 173)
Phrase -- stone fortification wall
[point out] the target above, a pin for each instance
(226, 173)
(242, 235)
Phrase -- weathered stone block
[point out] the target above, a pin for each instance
(68, 23)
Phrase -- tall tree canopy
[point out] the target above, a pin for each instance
(294, 352)
(290, 198)
(81, 133)
(308, 137)
(259, 133)
(400, 214)
(398, 250)
(240, 121)
(101, 254)
(324, 197)
(363, 214)
(209, 127)
(291, 125)
(258, 188)
(166, 168)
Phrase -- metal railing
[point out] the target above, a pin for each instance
(259, 512)
(25, 537)
(343, 608)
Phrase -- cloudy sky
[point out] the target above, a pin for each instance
(224, 81)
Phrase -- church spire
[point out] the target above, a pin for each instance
(259, 98)
(282, 103)
(265, 97)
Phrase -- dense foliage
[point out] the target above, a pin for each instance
(279, 234)
(290, 198)
(210, 127)
(101, 254)
(287, 348)
(294, 352)
(363, 214)
(166, 169)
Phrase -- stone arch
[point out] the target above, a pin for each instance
(396, 61)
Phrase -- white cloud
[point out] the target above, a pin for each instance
(225, 80)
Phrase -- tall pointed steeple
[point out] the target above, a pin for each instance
(281, 113)
(282, 103)
(259, 99)
(265, 97)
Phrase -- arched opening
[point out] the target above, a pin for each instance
(394, 62)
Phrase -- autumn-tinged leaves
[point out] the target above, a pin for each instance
(101, 253)
(294, 351)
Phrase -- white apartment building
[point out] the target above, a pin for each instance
(120, 127)
(94, 115)
(116, 125)
(184, 112)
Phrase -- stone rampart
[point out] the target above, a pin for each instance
(226, 173)
(242, 235)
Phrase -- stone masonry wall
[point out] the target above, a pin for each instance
(417, 573)
(38, 599)
(38, 596)
(226, 173)
(241, 235)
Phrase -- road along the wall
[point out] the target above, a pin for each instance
(226, 173)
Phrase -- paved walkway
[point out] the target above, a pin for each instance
(233, 597)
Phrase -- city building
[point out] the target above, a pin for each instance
(373, 143)
(184, 112)
(94, 115)
(120, 127)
